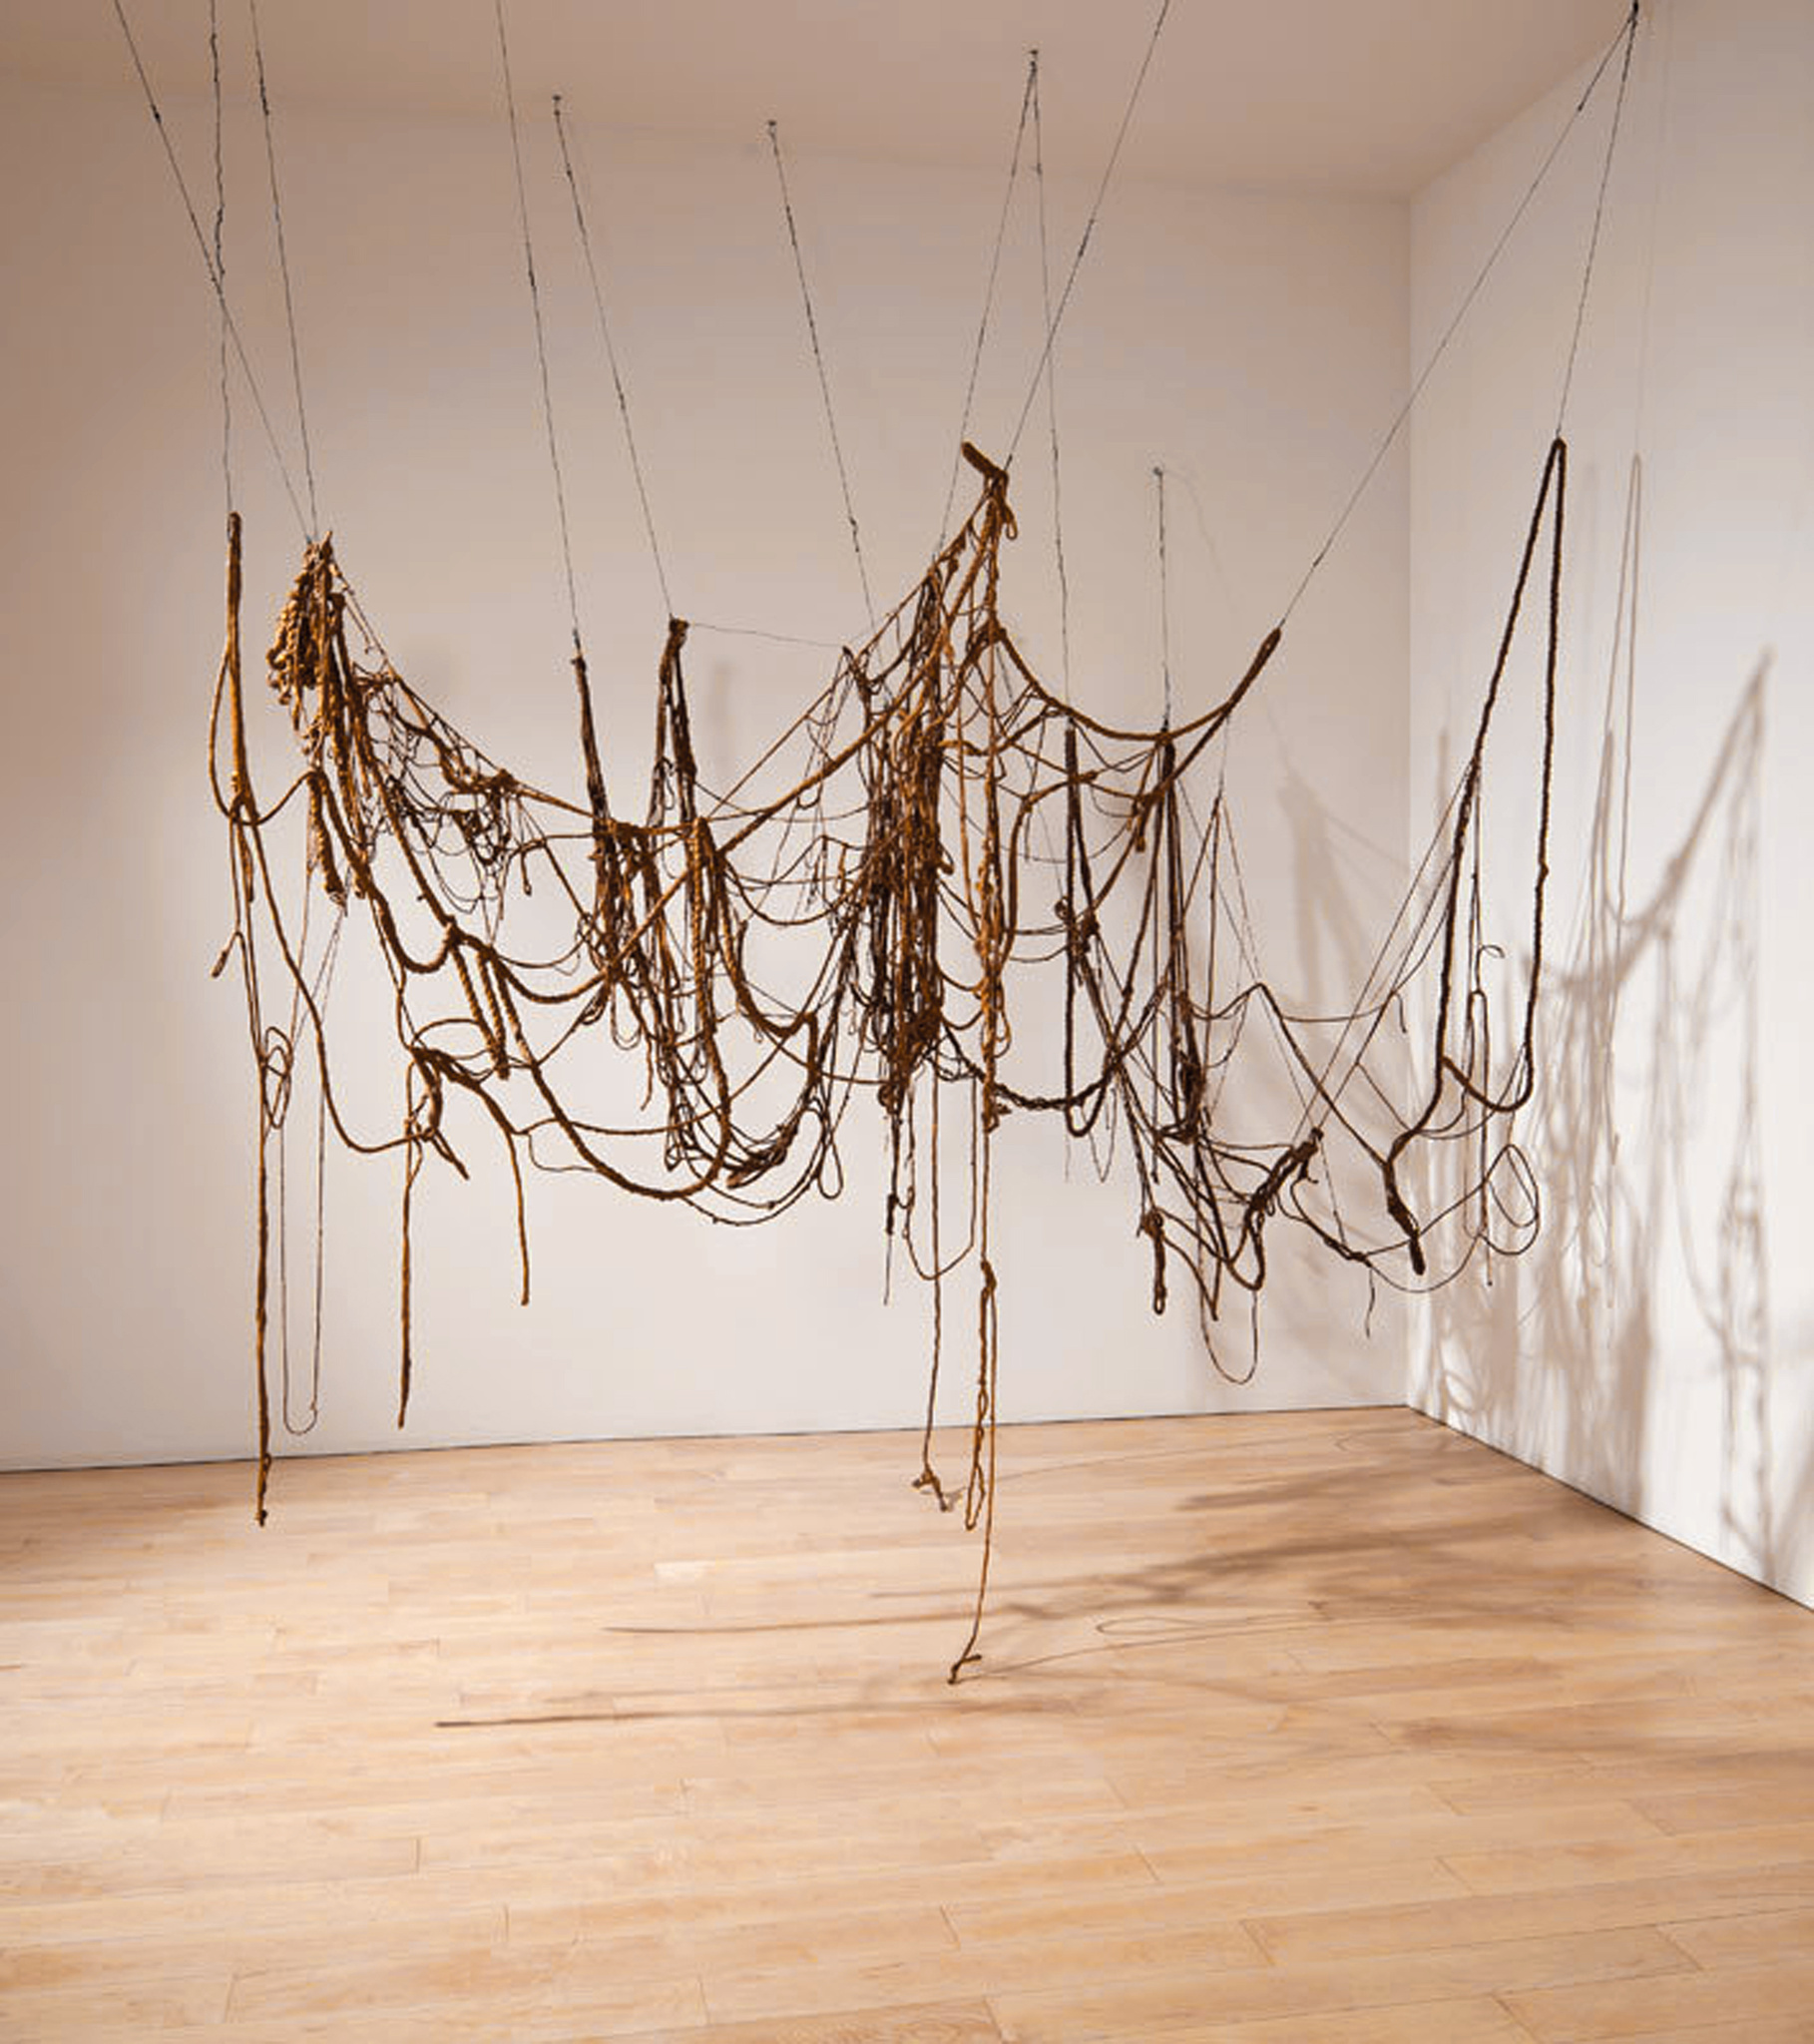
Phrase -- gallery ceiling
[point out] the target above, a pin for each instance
(1364, 97)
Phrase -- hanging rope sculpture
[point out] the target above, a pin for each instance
(938, 851)
(897, 874)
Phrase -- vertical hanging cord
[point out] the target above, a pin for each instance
(1158, 479)
(290, 1425)
(535, 307)
(324, 987)
(610, 357)
(1028, 100)
(818, 356)
(220, 245)
(1083, 246)
(1058, 507)
(1600, 208)
(289, 303)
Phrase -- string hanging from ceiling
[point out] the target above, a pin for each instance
(938, 850)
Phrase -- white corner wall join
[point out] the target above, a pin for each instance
(1655, 1346)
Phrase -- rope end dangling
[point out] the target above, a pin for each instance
(1152, 1226)
(1402, 1215)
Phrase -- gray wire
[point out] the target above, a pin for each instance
(1461, 312)
(1076, 261)
(818, 356)
(535, 307)
(289, 303)
(610, 357)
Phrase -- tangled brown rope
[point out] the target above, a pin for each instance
(896, 883)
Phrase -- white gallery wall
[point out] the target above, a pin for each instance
(1253, 345)
(1657, 1347)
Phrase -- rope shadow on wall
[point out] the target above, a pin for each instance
(1646, 1138)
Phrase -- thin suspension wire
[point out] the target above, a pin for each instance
(1164, 592)
(1102, 190)
(220, 246)
(1461, 311)
(323, 984)
(1599, 209)
(756, 632)
(535, 307)
(611, 355)
(289, 303)
(214, 273)
(1029, 95)
(1057, 517)
(1057, 506)
(298, 1430)
(818, 356)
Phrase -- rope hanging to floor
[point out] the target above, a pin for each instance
(937, 848)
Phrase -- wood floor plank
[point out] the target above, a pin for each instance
(1473, 2020)
(592, 1901)
(32, 2016)
(907, 1935)
(1586, 1781)
(1587, 2012)
(944, 2022)
(1505, 1840)
(1751, 2030)
(215, 1950)
(1076, 1962)
(1679, 1905)
(1763, 1938)
(1322, 1891)
(1571, 1863)
(444, 2026)
(1719, 1810)
(546, 1990)
(1155, 2003)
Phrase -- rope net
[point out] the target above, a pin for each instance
(949, 859)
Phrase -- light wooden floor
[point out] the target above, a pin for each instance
(1317, 1728)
